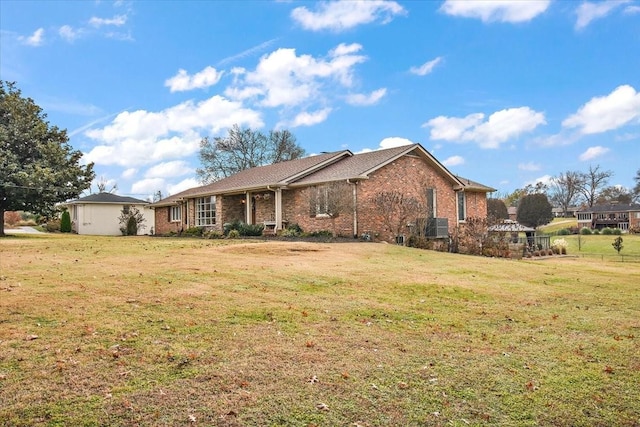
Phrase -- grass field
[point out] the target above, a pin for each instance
(169, 332)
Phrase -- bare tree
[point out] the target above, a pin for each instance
(565, 189)
(615, 193)
(242, 149)
(593, 182)
(284, 147)
(397, 210)
(331, 200)
(102, 187)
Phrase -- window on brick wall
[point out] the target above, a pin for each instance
(205, 211)
(319, 201)
(462, 206)
(430, 195)
(175, 213)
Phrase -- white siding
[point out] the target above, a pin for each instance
(102, 219)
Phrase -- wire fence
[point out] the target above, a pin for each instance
(611, 258)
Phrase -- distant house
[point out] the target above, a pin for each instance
(99, 214)
(299, 191)
(623, 216)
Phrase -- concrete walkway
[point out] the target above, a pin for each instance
(21, 230)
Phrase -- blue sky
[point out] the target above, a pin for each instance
(506, 93)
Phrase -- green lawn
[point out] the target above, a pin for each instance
(167, 332)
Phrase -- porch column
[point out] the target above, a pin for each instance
(248, 207)
(278, 203)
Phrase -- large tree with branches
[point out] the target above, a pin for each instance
(565, 189)
(38, 167)
(244, 148)
(593, 182)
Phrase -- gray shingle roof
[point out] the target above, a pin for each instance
(611, 208)
(326, 167)
(108, 198)
(277, 174)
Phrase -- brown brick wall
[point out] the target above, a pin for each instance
(409, 174)
(162, 224)
(412, 176)
(296, 210)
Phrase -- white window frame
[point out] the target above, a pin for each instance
(205, 211)
(175, 213)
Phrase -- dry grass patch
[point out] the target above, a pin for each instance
(152, 331)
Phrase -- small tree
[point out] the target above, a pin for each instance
(617, 244)
(131, 220)
(65, 222)
(496, 210)
(534, 210)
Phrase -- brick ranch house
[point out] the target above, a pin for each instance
(299, 192)
(614, 215)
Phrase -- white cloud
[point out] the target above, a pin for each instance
(589, 11)
(426, 68)
(370, 99)
(496, 10)
(530, 167)
(500, 127)
(593, 153)
(182, 81)
(116, 21)
(142, 137)
(453, 161)
(68, 33)
(129, 173)
(185, 184)
(310, 119)
(394, 141)
(544, 179)
(601, 114)
(343, 15)
(169, 169)
(283, 78)
(631, 10)
(147, 186)
(35, 39)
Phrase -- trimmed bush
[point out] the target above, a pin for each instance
(617, 231)
(65, 222)
(194, 231)
(233, 234)
(607, 231)
(585, 231)
(564, 232)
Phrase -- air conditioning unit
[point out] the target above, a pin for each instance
(437, 227)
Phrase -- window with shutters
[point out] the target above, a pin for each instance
(175, 213)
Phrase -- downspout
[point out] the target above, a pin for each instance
(355, 207)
